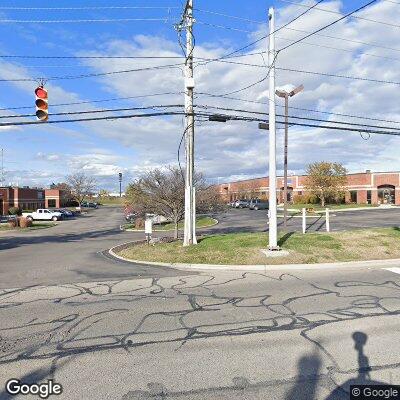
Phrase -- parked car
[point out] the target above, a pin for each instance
(130, 217)
(257, 204)
(241, 203)
(66, 213)
(43, 214)
(86, 204)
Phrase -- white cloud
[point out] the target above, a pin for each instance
(239, 149)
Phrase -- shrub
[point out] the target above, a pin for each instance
(14, 211)
(24, 222)
(305, 199)
(13, 223)
(139, 223)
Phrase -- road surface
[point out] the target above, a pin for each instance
(110, 330)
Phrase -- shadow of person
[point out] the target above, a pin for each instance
(308, 368)
(364, 369)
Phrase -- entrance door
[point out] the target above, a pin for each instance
(386, 194)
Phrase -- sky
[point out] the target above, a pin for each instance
(41, 154)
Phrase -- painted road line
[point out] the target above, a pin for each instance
(394, 269)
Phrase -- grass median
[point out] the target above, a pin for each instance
(244, 248)
(201, 222)
(36, 225)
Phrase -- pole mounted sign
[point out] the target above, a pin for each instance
(42, 104)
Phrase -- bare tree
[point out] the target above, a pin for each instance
(81, 186)
(163, 192)
(326, 180)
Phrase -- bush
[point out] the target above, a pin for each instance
(305, 199)
(14, 211)
(24, 222)
(13, 223)
(139, 223)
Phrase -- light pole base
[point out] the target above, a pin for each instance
(275, 253)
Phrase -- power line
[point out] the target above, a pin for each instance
(306, 72)
(300, 109)
(88, 8)
(115, 117)
(229, 16)
(89, 57)
(97, 111)
(358, 78)
(339, 13)
(346, 39)
(96, 101)
(71, 21)
(301, 118)
(252, 119)
(329, 25)
(91, 75)
(265, 36)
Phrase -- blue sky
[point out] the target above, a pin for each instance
(43, 154)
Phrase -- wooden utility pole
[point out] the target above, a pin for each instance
(190, 201)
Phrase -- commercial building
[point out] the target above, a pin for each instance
(27, 198)
(363, 188)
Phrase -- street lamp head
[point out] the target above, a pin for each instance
(281, 93)
(284, 93)
(296, 90)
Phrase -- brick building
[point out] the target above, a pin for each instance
(362, 188)
(29, 198)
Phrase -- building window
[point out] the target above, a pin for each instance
(52, 203)
(353, 196)
(369, 197)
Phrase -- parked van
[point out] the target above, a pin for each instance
(257, 204)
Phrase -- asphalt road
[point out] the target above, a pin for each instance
(69, 252)
(293, 336)
(110, 330)
(73, 251)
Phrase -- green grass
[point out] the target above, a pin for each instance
(113, 201)
(244, 248)
(201, 222)
(36, 225)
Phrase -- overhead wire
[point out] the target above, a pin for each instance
(330, 24)
(339, 13)
(299, 108)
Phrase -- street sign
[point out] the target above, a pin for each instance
(148, 227)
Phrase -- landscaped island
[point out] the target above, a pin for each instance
(245, 248)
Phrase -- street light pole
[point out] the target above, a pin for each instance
(286, 96)
(273, 220)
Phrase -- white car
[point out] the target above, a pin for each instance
(43, 214)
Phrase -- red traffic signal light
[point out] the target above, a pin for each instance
(42, 105)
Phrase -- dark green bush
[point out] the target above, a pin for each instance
(14, 211)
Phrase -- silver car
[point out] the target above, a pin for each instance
(257, 204)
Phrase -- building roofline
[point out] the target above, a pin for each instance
(299, 175)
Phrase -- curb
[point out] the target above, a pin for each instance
(171, 230)
(265, 268)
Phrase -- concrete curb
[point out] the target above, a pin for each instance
(264, 268)
(216, 222)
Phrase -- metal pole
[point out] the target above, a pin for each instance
(285, 162)
(304, 226)
(328, 226)
(273, 220)
(190, 217)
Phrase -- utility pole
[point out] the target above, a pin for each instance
(190, 201)
(2, 167)
(273, 221)
(286, 96)
(120, 184)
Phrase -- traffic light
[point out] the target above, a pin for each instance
(42, 105)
